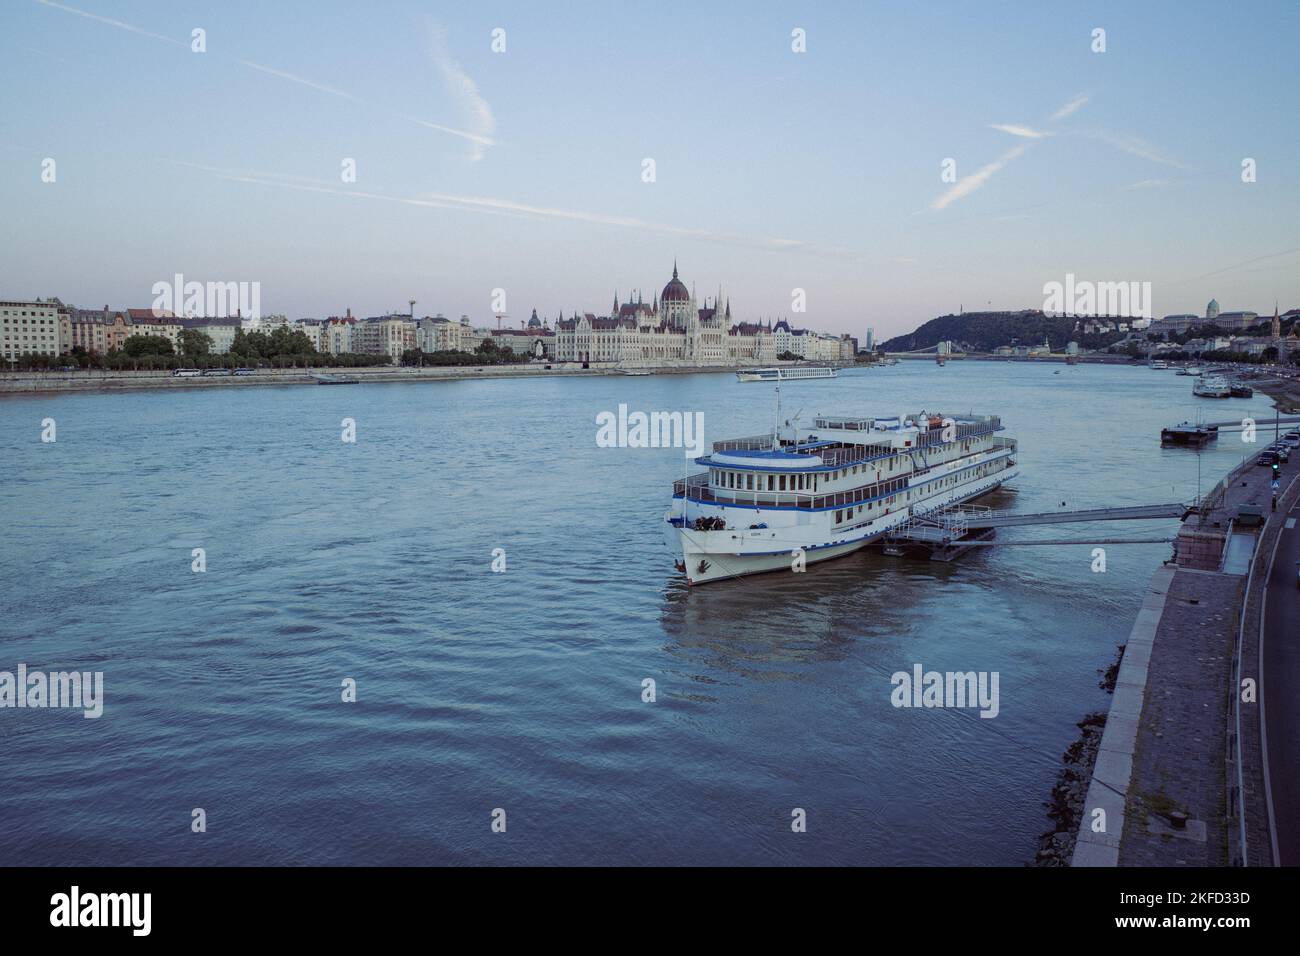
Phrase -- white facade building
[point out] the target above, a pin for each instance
(674, 330)
(29, 328)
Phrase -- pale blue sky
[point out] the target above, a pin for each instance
(775, 170)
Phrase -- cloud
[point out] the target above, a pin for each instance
(490, 205)
(1241, 265)
(121, 25)
(1134, 147)
(293, 78)
(1070, 107)
(1146, 184)
(964, 187)
(1022, 131)
(467, 96)
(462, 86)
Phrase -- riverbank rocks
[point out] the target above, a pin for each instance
(1065, 804)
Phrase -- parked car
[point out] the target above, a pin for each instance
(1282, 451)
(1266, 459)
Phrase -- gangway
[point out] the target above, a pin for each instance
(976, 518)
(946, 532)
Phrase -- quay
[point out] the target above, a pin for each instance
(105, 380)
(1182, 775)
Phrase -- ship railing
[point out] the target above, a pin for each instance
(754, 443)
(934, 436)
(701, 491)
(952, 521)
(852, 454)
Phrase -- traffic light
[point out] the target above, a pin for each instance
(1277, 468)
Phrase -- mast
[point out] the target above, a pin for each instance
(776, 420)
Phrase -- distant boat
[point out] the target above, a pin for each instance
(1211, 386)
(1160, 365)
(335, 380)
(781, 374)
(634, 371)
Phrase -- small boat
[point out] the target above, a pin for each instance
(1160, 365)
(1240, 390)
(1212, 386)
(634, 371)
(784, 374)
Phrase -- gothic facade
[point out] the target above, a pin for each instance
(673, 330)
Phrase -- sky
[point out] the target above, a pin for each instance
(523, 169)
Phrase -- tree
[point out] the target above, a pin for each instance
(195, 344)
(137, 346)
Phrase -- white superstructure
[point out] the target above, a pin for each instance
(1212, 386)
(802, 495)
(780, 374)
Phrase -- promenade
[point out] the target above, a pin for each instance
(1167, 773)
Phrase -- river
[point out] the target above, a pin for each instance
(521, 689)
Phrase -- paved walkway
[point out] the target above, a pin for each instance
(1166, 788)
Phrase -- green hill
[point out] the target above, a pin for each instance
(986, 331)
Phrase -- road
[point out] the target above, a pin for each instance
(1281, 689)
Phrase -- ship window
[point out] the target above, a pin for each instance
(837, 517)
(781, 484)
(749, 482)
(771, 482)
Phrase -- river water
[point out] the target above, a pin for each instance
(522, 690)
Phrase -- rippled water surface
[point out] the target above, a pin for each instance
(522, 690)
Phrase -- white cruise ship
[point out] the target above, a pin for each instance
(827, 491)
(786, 374)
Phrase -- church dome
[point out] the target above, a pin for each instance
(534, 322)
(675, 290)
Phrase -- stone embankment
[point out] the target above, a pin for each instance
(98, 380)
